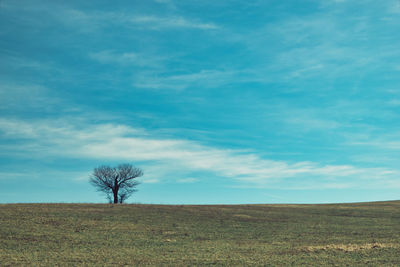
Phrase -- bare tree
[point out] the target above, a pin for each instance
(118, 183)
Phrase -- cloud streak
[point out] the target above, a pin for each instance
(170, 157)
(157, 23)
(86, 21)
(204, 78)
(127, 58)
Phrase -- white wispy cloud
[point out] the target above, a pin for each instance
(322, 45)
(93, 20)
(394, 102)
(109, 56)
(127, 58)
(163, 1)
(170, 157)
(32, 97)
(157, 22)
(18, 62)
(203, 78)
(187, 180)
(309, 122)
(385, 143)
(393, 6)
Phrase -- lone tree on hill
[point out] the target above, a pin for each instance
(118, 183)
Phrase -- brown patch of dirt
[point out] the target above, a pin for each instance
(350, 247)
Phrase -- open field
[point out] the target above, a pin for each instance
(362, 234)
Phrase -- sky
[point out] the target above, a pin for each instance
(218, 102)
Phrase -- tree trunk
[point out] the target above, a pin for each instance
(115, 190)
(115, 196)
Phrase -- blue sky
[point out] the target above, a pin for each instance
(217, 101)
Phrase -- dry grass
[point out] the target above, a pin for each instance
(362, 234)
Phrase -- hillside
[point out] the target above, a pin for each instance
(277, 235)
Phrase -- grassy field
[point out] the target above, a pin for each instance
(365, 234)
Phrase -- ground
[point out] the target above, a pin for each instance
(361, 234)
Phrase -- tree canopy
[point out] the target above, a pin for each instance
(118, 183)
